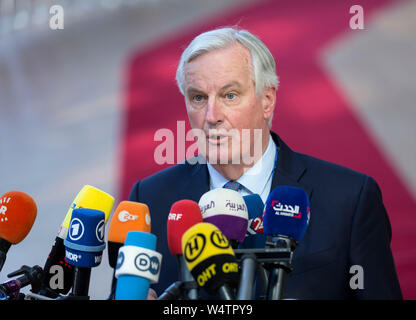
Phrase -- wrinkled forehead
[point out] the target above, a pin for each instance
(229, 64)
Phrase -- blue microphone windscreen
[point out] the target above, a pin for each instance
(141, 246)
(286, 212)
(255, 205)
(84, 244)
(141, 239)
(255, 237)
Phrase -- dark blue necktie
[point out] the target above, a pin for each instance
(233, 185)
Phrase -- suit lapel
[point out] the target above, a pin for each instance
(290, 169)
(196, 183)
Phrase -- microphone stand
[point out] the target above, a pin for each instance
(185, 276)
(225, 293)
(81, 283)
(281, 268)
(248, 268)
(30, 276)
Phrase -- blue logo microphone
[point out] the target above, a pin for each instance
(138, 265)
(255, 237)
(287, 213)
(84, 243)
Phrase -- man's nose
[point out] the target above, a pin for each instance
(214, 113)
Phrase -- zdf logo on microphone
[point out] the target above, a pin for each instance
(125, 216)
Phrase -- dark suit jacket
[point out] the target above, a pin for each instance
(348, 226)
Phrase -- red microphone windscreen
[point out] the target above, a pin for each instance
(17, 214)
(182, 215)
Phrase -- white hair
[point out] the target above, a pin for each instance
(263, 64)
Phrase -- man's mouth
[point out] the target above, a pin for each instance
(217, 138)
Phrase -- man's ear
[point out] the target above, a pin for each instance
(269, 101)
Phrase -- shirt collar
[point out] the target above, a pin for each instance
(255, 178)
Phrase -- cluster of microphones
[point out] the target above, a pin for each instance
(228, 246)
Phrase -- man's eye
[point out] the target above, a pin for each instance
(198, 98)
(230, 96)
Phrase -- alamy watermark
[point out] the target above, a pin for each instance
(216, 146)
(357, 278)
(56, 21)
(357, 20)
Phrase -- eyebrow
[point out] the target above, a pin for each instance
(228, 85)
(231, 84)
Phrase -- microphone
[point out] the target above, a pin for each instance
(91, 198)
(285, 220)
(255, 237)
(84, 246)
(182, 215)
(30, 276)
(58, 274)
(128, 216)
(226, 209)
(211, 260)
(17, 214)
(138, 265)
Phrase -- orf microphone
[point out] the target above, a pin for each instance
(128, 216)
(58, 274)
(182, 215)
(226, 209)
(17, 215)
(211, 260)
(84, 246)
(286, 218)
(138, 265)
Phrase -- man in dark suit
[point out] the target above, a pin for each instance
(229, 82)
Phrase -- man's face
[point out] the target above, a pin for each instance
(221, 100)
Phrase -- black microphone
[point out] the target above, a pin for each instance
(30, 276)
(84, 247)
(285, 220)
(58, 274)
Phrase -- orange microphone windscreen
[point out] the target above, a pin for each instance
(17, 214)
(128, 216)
